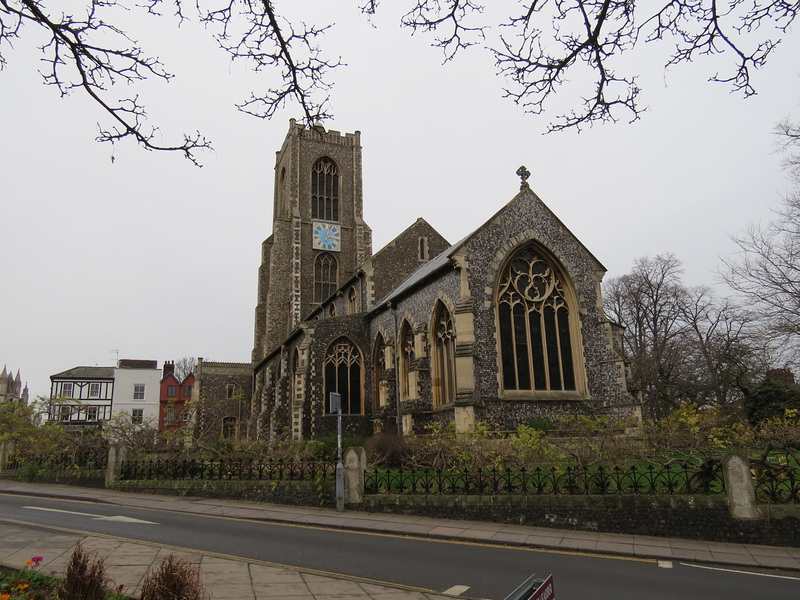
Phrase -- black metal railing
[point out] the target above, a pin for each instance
(239, 469)
(651, 479)
(777, 479)
(82, 459)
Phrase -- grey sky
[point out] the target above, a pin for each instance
(157, 259)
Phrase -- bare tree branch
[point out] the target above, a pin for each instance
(268, 42)
(75, 61)
(547, 44)
(433, 15)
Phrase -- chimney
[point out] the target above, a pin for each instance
(169, 368)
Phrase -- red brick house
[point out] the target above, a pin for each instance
(174, 396)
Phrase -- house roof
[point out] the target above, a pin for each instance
(86, 373)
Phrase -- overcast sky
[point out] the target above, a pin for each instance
(149, 257)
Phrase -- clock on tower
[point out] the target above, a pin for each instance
(326, 236)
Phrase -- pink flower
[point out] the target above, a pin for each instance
(37, 560)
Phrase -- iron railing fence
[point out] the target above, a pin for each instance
(777, 479)
(82, 459)
(244, 469)
(651, 479)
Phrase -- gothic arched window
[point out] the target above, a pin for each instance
(379, 371)
(297, 382)
(229, 427)
(343, 375)
(534, 323)
(444, 357)
(352, 301)
(325, 276)
(325, 190)
(406, 351)
(281, 204)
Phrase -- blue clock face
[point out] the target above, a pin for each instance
(326, 236)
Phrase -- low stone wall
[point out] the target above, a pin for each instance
(690, 517)
(734, 517)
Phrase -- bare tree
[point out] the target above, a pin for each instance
(766, 269)
(540, 46)
(727, 353)
(185, 367)
(789, 142)
(649, 302)
(684, 344)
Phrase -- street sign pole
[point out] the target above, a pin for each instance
(336, 405)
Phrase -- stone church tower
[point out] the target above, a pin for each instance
(319, 237)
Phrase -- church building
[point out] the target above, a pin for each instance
(504, 325)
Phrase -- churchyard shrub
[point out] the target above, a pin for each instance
(84, 578)
(174, 579)
(387, 449)
(696, 431)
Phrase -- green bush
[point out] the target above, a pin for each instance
(770, 399)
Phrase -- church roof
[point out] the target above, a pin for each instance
(443, 261)
(426, 270)
(86, 373)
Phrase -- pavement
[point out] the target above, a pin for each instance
(229, 577)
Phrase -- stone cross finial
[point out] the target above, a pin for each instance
(523, 174)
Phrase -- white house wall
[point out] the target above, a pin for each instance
(124, 381)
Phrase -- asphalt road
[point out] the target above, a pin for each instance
(487, 571)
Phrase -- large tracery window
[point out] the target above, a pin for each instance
(325, 276)
(406, 356)
(444, 357)
(533, 319)
(325, 190)
(343, 375)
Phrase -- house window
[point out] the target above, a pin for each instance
(444, 364)
(423, 249)
(230, 391)
(137, 416)
(66, 390)
(187, 391)
(325, 276)
(172, 391)
(352, 302)
(343, 375)
(534, 324)
(94, 390)
(138, 391)
(406, 357)
(92, 413)
(65, 412)
(169, 414)
(325, 190)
